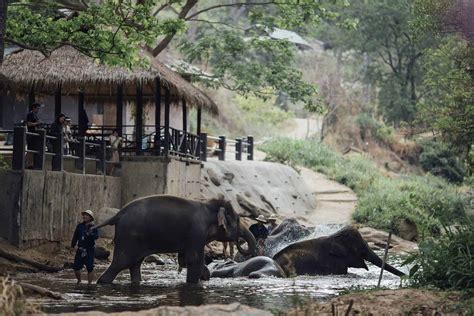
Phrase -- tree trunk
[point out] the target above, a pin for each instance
(3, 26)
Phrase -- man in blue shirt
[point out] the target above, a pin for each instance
(260, 232)
(84, 238)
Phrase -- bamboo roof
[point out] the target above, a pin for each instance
(72, 70)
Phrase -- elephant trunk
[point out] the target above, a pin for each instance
(373, 258)
(246, 235)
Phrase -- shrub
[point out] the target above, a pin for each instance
(370, 127)
(428, 201)
(446, 262)
(13, 301)
(3, 163)
(438, 159)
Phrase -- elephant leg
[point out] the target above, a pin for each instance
(110, 274)
(135, 272)
(205, 274)
(181, 262)
(194, 264)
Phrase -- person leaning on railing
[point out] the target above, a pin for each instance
(33, 123)
(56, 131)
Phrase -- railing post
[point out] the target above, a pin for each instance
(103, 156)
(184, 143)
(250, 147)
(203, 146)
(57, 161)
(222, 147)
(41, 149)
(238, 149)
(82, 155)
(19, 143)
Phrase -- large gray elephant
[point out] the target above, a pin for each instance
(329, 255)
(254, 268)
(170, 224)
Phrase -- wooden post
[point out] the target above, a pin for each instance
(250, 147)
(119, 112)
(184, 144)
(167, 123)
(103, 157)
(238, 149)
(203, 146)
(82, 124)
(19, 144)
(222, 147)
(31, 96)
(157, 116)
(41, 146)
(82, 155)
(139, 119)
(57, 101)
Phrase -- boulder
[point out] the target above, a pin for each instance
(155, 259)
(377, 240)
(407, 229)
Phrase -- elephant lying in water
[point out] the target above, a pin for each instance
(319, 256)
(254, 268)
(170, 224)
(331, 254)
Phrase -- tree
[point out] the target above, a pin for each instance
(114, 31)
(389, 50)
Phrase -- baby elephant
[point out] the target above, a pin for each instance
(254, 268)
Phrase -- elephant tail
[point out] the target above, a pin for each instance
(111, 221)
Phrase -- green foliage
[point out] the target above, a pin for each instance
(372, 128)
(445, 262)
(428, 201)
(439, 159)
(448, 106)
(111, 31)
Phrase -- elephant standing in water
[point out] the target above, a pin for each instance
(170, 224)
(329, 255)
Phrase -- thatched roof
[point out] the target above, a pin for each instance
(73, 70)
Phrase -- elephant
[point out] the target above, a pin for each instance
(171, 224)
(331, 254)
(254, 268)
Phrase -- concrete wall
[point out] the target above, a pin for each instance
(10, 199)
(183, 179)
(143, 176)
(51, 203)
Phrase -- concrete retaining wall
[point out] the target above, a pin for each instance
(51, 203)
(44, 206)
(10, 199)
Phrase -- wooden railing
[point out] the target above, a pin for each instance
(241, 147)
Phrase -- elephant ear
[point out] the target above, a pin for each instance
(221, 220)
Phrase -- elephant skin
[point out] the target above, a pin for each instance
(170, 224)
(329, 255)
(254, 268)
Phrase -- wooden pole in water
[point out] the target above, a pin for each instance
(385, 257)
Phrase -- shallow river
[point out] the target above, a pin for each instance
(164, 286)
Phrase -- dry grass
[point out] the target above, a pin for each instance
(13, 301)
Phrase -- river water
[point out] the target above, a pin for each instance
(163, 285)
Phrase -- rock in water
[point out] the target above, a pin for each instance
(155, 259)
(101, 253)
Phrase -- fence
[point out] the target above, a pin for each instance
(176, 143)
(241, 146)
(35, 144)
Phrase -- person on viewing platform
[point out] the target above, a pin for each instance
(83, 242)
(33, 123)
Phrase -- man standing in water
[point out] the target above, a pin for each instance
(272, 223)
(85, 238)
(260, 232)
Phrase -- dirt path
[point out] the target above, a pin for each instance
(335, 202)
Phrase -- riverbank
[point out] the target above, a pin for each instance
(393, 302)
